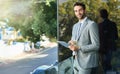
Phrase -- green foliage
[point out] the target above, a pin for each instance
(45, 19)
(42, 19)
(27, 31)
(66, 21)
(39, 25)
(16, 21)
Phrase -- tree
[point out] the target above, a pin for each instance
(41, 19)
(27, 31)
(66, 21)
(45, 18)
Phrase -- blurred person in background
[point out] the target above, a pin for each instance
(108, 36)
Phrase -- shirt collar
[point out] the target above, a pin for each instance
(82, 21)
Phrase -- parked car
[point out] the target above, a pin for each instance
(45, 69)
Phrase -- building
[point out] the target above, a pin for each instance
(8, 33)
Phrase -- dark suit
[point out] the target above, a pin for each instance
(108, 35)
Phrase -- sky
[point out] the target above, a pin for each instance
(8, 7)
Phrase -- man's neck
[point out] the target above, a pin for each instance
(82, 18)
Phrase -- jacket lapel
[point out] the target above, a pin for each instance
(82, 28)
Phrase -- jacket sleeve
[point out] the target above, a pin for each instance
(94, 39)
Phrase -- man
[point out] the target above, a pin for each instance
(84, 42)
(108, 35)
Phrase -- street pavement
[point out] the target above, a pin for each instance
(27, 65)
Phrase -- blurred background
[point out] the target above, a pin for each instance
(28, 35)
(30, 17)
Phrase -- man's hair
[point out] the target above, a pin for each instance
(103, 13)
(79, 4)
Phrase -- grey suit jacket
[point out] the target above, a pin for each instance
(88, 40)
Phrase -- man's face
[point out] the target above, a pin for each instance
(79, 12)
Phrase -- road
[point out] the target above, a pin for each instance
(26, 65)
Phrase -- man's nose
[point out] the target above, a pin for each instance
(78, 12)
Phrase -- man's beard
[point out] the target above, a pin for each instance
(82, 17)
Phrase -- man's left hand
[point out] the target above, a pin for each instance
(73, 47)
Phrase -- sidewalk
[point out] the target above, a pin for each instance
(25, 54)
